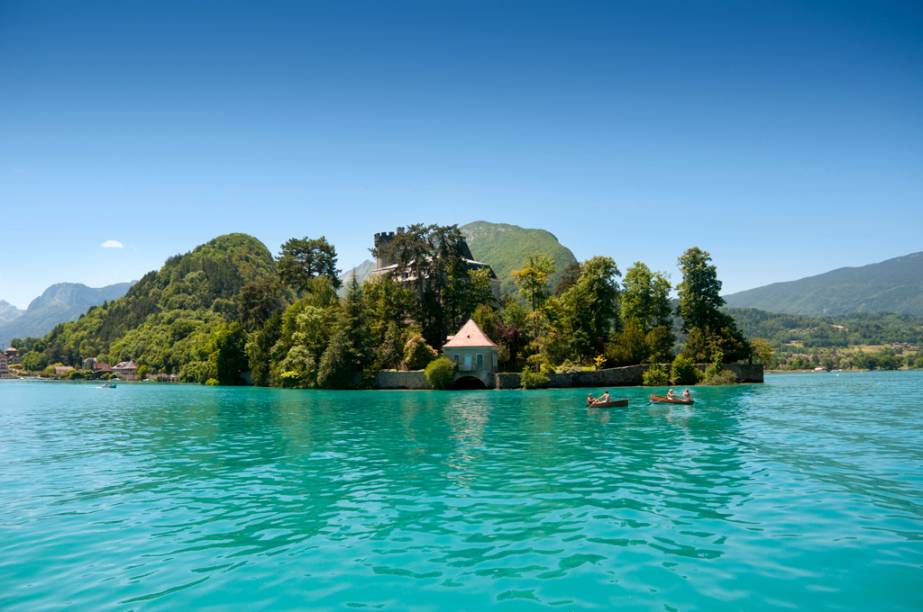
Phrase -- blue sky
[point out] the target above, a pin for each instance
(784, 137)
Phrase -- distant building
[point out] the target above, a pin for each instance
(94, 364)
(126, 370)
(4, 366)
(474, 354)
(63, 370)
(384, 264)
(11, 354)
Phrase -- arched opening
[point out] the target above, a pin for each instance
(469, 382)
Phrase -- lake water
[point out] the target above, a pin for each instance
(806, 491)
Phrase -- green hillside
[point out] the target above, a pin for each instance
(507, 247)
(894, 285)
(166, 318)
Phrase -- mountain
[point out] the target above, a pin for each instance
(59, 303)
(361, 272)
(894, 285)
(508, 247)
(8, 312)
(169, 317)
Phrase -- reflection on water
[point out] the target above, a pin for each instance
(806, 491)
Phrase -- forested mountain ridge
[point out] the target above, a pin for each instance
(59, 303)
(508, 247)
(167, 317)
(894, 285)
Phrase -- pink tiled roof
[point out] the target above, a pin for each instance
(470, 335)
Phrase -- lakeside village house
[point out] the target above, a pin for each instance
(8, 357)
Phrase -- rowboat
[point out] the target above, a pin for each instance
(659, 399)
(616, 403)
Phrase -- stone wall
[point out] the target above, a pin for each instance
(394, 379)
(628, 376)
(752, 373)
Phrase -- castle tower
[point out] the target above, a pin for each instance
(382, 240)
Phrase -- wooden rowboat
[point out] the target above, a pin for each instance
(616, 403)
(659, 399)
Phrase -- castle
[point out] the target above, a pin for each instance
(385, 264)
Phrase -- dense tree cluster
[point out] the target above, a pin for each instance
(230, 313)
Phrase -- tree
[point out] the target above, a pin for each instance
(258, 301)
(646, 312)
(230, 354)
(568, 278)
(710, 330)
(645, 297)
(700, 291)
(629, 346)
(417, 353)
(303, 259)
(762, 350)
(585, 315)
(532, 280)
(390, 351)
(259, 350)
(338, 367)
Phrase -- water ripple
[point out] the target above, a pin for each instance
(804, 492)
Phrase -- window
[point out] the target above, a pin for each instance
(480, 361)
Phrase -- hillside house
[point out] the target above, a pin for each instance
(126, 370)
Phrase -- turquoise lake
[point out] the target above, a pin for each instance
(805, 492)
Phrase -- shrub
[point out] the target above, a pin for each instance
(683, 371)
(538, 363)
(417, 353)
(440, 373)
(212, 382)
(568, 367)
(656, 376)
(716, 375)
(533, 380)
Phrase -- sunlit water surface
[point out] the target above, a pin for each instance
(806, 491)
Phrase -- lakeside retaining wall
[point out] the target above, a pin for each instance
(396, 379)
(627, 376)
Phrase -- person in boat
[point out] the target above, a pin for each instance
(604, 398)
(670, 394)
(590, 400)
(686, 395)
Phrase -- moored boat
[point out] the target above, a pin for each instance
(660, 399)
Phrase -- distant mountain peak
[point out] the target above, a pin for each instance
(59, 303)
(894, 285)
(8, 312)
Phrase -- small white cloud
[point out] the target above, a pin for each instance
(112, 244)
